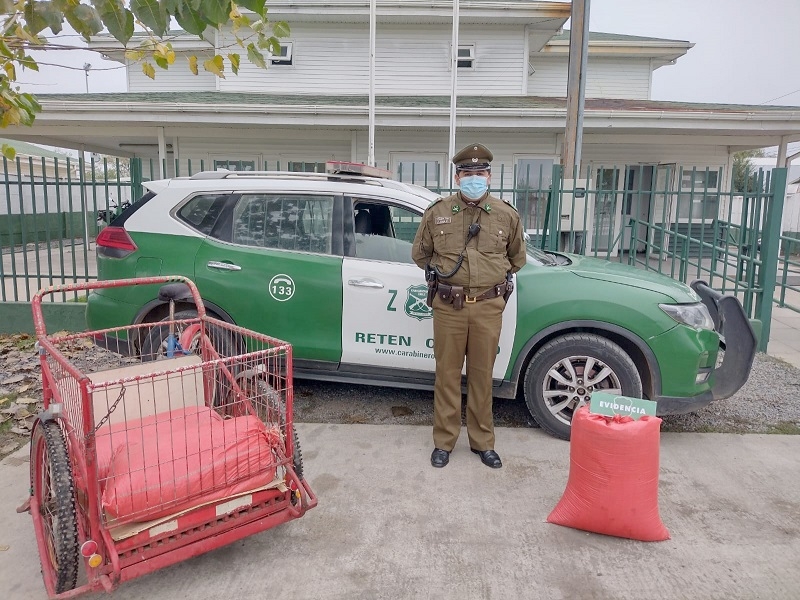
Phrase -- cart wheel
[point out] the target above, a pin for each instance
(155, 344)
(270, 408)
(297, 454)
(54, 489)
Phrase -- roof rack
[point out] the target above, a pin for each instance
(337, 169)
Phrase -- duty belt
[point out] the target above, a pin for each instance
(454, 294)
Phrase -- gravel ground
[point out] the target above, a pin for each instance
(768, 403)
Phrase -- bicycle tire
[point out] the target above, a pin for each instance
(271, 409)
(54, 488)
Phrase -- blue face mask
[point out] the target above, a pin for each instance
(474, 186)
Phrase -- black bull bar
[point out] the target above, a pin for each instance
(736, 337)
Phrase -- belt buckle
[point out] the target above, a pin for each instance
(469, 300)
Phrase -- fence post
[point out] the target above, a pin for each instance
(136, 179)
(770, 241)
(552, 223)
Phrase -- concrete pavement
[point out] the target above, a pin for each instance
(390, 526)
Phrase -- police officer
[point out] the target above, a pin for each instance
(469, 243)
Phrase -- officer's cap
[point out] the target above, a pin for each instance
(475, 157)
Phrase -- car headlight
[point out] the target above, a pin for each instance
(693, 315)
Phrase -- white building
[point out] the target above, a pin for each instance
(311, 104)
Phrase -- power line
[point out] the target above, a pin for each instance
(779, 97)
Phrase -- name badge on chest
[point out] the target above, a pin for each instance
(443, 220)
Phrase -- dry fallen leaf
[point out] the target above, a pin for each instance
(19, 431)
(13, 379)
(26, 400)
(22, 413)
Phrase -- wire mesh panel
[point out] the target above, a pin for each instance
(213, 420)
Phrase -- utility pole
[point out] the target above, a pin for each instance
(451, 149)
(576, 87)
(372, 24)
(86, 68)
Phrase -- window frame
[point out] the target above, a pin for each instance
(470, 58)
(334, 224)
(286, 60)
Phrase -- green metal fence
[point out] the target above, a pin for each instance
(664, 218)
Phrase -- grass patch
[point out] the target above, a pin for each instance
(786, 428)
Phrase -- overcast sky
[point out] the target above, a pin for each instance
(746, 51)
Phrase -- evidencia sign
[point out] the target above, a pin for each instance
(281, 287)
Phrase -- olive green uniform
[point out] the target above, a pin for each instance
(474, 330)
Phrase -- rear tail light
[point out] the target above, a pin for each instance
(115, 242)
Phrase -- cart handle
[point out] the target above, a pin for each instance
(36, 303)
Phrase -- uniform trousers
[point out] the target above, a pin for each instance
(473, 331)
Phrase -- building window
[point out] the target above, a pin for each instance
(419, 172)
(285, 56)
(235, 165)
(466, 56)
(297, 166)
(534, 178)
(698, 196)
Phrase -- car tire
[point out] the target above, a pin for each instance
(563, 360)
(155, 342)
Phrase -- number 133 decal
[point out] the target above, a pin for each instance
(281, 287)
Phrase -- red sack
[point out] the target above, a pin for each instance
(168, 462)
(613, 477)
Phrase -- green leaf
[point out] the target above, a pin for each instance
(117, 19)
(9, 152)
(148, 70)
(84, 19)
(281, 29)
(52, 14)
(255, 56)
(235, 60)
(274, 46)
(4, 49)
(161, 61)
(257, 6)
(151, 13)
(29, 63)
(34, 22)
(7, 7)
(191, 21)
(215, 12)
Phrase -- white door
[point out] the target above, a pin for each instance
(385, 321)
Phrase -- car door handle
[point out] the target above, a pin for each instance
(366, 282)
(215, 264)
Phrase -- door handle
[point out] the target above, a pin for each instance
(215, 264)
(366, 282)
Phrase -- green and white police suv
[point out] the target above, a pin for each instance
(324, 261)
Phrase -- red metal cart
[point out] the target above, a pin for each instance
(141, 461)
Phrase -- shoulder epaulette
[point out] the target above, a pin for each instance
(511, 205)
(435, 202)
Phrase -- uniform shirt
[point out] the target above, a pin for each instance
(499, 247)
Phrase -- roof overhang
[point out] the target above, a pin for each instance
(664, 51)
(115, 126)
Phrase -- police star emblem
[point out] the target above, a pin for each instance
(415, 305)
(456, 208)
(487, 207)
